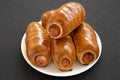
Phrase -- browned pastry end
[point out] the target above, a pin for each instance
(65, 19)
(63, 53)
(45, 17)
(37, 44)
(86, 43)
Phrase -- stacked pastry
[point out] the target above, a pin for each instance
(63, 35)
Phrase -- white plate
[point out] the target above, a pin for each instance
(52, 70)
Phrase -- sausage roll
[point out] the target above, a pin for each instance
(45, 17)
(86, 43)
(65, 19)
(37, 44)
(63, 53)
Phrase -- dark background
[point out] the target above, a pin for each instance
(15, 15)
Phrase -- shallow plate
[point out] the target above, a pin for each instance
(52, 70)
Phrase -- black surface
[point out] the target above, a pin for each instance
(15, 15)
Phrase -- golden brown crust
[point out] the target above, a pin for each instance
(85, 42)
(37, 42)
(67, 17)
(63, 48)
(45, 17)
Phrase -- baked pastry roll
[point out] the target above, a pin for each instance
(65, 19)
(86, 43)
(37, 44)
(63, 53)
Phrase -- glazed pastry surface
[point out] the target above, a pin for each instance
(37, 44)
(86, 43)
(45, 17)
(63, 53)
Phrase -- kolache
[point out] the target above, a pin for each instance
(37, 44)
(62, 36)
(64, 20)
